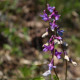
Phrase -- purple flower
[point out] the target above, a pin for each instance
(53, 25)
(51, 65)
(60, 32)
(50, 40)
(57, 37)
(58, 54)
(48, 47)
(44, 16)
(55, 15)
(50, 9)
(54, 37)
(48, 72)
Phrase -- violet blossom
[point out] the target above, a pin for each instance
(58, 54)
(50, 9)
(55, 15)
(48, 47)
(53, 25)
(60, 32)
(44, 16)
(50, 65)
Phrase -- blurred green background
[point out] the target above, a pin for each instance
(21, 55)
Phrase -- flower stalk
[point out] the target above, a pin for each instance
(66, 70)
(46, 4)
(56, 73)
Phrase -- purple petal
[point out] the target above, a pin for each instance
(52, 47)
(44, 16)
(57, 17)
(50, 9)
(54, 66)
(58, 56)
(45, 49)
(58, 38)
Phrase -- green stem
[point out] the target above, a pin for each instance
(53, 65)
(66, 66)
(55, 72)
(46, 5)
(66, 71)
(54, 49)
(50, 77)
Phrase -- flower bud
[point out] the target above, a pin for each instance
(45, 34)
(74, 63)
(66, 57)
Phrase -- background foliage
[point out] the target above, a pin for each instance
(20, 36)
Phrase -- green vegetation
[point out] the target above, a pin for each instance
(14, 30)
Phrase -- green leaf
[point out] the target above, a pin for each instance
(39, 78)
(46, 56)
(25, 71)
(17, 51)
(55, 77)
(7, 47)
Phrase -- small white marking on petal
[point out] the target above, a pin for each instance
(52, 29)
(45, 44)
(66, 57)
(66, 44)
(45, 34)
(61, 41)
(74, 63)
(57, 41)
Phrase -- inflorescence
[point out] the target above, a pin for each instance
(56, 38)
